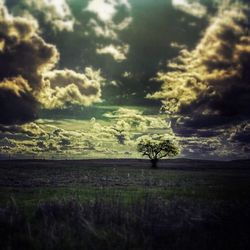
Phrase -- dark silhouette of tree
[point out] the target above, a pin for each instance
(156, 150)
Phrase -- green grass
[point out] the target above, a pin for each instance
(74, 205)
(32, 183)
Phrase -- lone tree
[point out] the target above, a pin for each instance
(156, 150)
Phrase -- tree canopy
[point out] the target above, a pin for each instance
(157, 149)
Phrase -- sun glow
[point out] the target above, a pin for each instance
(60, 6)
(105, 10)
(179, 2)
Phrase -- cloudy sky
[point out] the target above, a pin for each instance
(91, 78)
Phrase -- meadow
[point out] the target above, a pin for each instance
(123, 204)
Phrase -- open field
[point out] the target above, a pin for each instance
(123, 204)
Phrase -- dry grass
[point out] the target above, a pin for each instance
(148, 224)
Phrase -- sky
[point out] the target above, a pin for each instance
(92, 78)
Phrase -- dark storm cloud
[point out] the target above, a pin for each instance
(206, 79)
(241, 133)
(17, 104)
(157, 26)
(24, 56)
(25, 61)
(121, 36)
(212, 81)
(23, 52)
(206, 90)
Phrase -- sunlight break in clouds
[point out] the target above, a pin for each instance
(117, 137)
(106, 9)
(105, 26)
(204, 89)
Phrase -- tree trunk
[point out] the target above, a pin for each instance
(154, 163)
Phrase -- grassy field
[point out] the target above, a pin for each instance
(123, 204)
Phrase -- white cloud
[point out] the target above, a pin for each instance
(117, 52)
(192, 7)
(62, 87)
(106, 9)
(105, 26)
